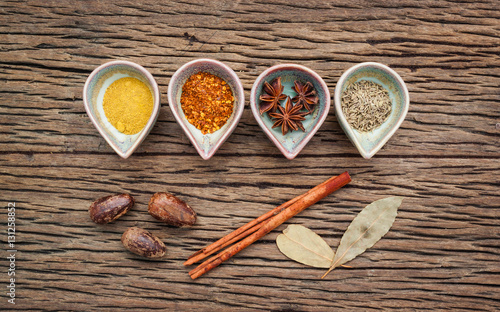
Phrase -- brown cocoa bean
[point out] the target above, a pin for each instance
(143, 243)
(171, 210)
(110, 208)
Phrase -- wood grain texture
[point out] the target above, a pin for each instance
(442, 253)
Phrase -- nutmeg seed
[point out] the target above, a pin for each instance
(143, 243)
(171, 210)
(110, 208)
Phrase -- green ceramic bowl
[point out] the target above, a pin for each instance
(369, 143)
(93, 92)
(291, 143)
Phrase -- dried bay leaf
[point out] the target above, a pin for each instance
(303, 245)
(369, 226)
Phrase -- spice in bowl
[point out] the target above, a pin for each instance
(128, 105)
(366, 105)
(207, 102)
(290, 116)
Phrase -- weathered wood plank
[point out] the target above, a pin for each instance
(443, 245)
(442, 252)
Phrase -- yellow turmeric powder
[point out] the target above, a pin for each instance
(128, 104)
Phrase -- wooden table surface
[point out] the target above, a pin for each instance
(442, 252)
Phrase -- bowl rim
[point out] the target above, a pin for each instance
(174, 107)
(342, 120)
(152, 119)
(258, 118)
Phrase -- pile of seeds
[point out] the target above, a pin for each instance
(366, 105)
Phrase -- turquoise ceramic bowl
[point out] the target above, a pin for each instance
(93, 92)
(369, 143)
(292, 143)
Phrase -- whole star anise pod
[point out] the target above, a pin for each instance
(289, 118)
(306, 96)
(274, 94)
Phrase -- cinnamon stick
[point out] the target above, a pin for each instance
(201, 254)
(311, 197)
(243, 231)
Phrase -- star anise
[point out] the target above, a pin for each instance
(274, 94)
(306, 96)
(289, 118)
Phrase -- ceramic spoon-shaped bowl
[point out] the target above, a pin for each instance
(291, 143)
(206, 144)
(93, 93)
(369, 143)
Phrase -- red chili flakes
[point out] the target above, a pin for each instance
(207, 102)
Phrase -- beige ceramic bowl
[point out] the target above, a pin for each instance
(206, 144)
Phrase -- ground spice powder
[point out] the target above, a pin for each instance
(207, 102)
(128, 104)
